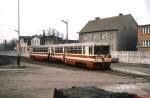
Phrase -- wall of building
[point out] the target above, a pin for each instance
(144, 38)
(107, 37)
(23, 45)
(127, 35)
(35, 41)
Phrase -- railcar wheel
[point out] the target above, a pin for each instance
(106, 66)
(80, 65)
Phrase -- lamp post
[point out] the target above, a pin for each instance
(66, 22)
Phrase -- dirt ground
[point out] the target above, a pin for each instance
(39, 81)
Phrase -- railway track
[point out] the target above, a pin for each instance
(71, 67)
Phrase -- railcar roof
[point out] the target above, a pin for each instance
(74, 44)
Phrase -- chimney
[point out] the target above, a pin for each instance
(120, 14)
(43, 38)
(97, 18)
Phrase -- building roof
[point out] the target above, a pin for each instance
(38, 36)
(26, 39)
(104, 24)
(143, 25)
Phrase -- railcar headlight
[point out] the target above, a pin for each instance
(108, 56)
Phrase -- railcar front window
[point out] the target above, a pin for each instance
(101, 50)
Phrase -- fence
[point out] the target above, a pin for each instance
(132, 56)
(122, 56)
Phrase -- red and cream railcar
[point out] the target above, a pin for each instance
(39, 53)
(90, 55)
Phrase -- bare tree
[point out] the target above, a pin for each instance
(7, 46)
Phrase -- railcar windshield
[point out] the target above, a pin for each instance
(101, 50)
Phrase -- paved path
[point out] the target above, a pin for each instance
(132, 69)
(40, 82)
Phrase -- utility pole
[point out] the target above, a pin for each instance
(19, 52)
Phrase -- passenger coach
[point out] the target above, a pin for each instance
(89, 55)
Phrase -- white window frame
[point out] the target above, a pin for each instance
(85, 37)
(103, 35)
(148, 29)
(111, 35)
(143, 43)
(94, 36)
(100, 35)
(143, 30)
(35, 42)
(148, 43)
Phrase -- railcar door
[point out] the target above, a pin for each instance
(86, 50)
(50, 53)
(64, 54)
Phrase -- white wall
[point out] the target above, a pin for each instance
(132, 57)
(23, 45)
(14, 53)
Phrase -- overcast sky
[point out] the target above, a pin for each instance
(37, 15)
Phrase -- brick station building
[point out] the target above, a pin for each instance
(144, 37)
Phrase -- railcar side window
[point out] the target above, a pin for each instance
(59, 50)
(83, 50)
(74, 50)
(90, 50)
(45, 49)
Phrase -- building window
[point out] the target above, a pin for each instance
(146, 43)
(111, 35)
(94, 37)
(146, 29)
(34, 42)
(103, 34)
(140, 29)
(85, 37)
(143, 43)
(143, 30)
